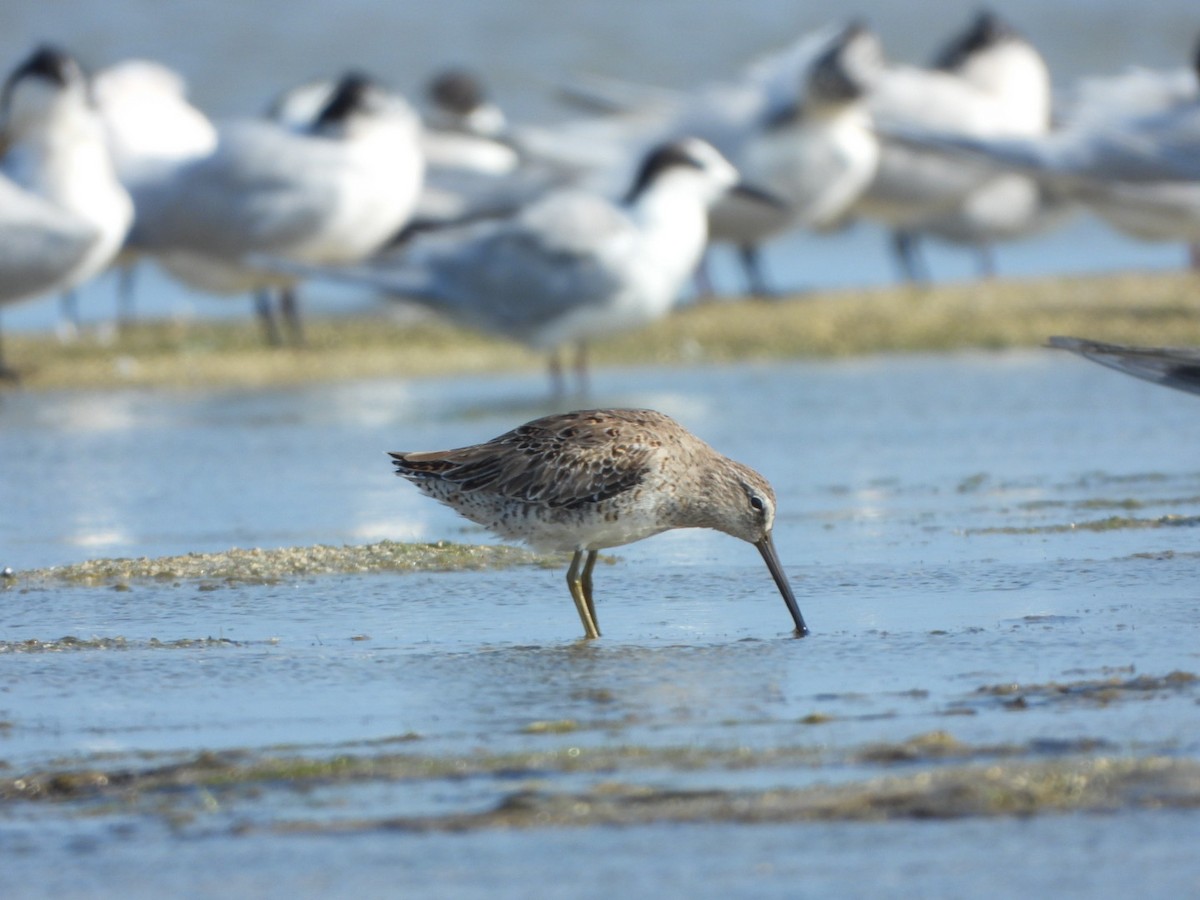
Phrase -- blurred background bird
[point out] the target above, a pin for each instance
(980, 147)
(570, 268)
(65, 214)
(333, 191)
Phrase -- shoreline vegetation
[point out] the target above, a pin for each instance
(1158, 308)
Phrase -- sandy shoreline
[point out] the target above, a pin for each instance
(1144, 308)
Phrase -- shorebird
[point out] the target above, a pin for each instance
(791, 122)
(592, 479)
(63, 213)
(150, 128)
(1131, 159)
(1177, 367)
(463, 129)
(815, 151)
(571, 267)
(332, 192)
(989, 82)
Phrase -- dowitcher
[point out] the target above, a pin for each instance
(588, 480)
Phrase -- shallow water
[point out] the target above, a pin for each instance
(925, 512)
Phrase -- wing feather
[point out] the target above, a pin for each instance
(1177, 367)
(563, 461)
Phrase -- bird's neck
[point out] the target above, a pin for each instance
(672, 211)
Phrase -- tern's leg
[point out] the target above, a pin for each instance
(289, 306)
(583, 603)
(6, 374)
(581, 369)
(705, 291)
(905, 247)
(751, 259)
(558, 387)
(262, 306)
(126, 276)
(68, 315)
(987, 262)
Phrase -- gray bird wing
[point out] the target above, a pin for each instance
(513, 276)
(1177, 367)
(1158, 148)
(262, 189)
(40, 244)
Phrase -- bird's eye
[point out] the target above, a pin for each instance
(757, 503)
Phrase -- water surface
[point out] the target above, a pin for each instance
(926, 512)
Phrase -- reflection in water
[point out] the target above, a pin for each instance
(905, 458)
(395, 529)
(98, 540)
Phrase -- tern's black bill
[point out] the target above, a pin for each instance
(767, 548)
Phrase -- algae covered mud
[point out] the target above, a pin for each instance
(996, 552)
(1155, 309)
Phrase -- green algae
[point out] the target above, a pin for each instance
(1091, 692)
(256, 566)
(557, 726)
(1145, 308)
(1094, 785)
(69, 643)
(1125, 503)
(933, 745)
(1109, 523)
(1022, 783)
(379, 759)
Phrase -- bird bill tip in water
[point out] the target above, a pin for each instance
(766, 547)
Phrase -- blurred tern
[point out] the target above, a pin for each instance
(42, 248)
(988, 82)
(1007, 207)
(64, 214)
(463, 129)
(151, 127)
(471, 170)
(1100, 100)
(148, 120)
(1176, 367)
(788, 118)
(816, 153)
(573, 266)
(1141, 172)
(474, 168)
(328, 193)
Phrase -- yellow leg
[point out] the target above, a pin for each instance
(585, 581)
(581, 592)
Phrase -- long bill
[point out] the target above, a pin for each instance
(767, 548)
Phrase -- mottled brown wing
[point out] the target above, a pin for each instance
(564, 460)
